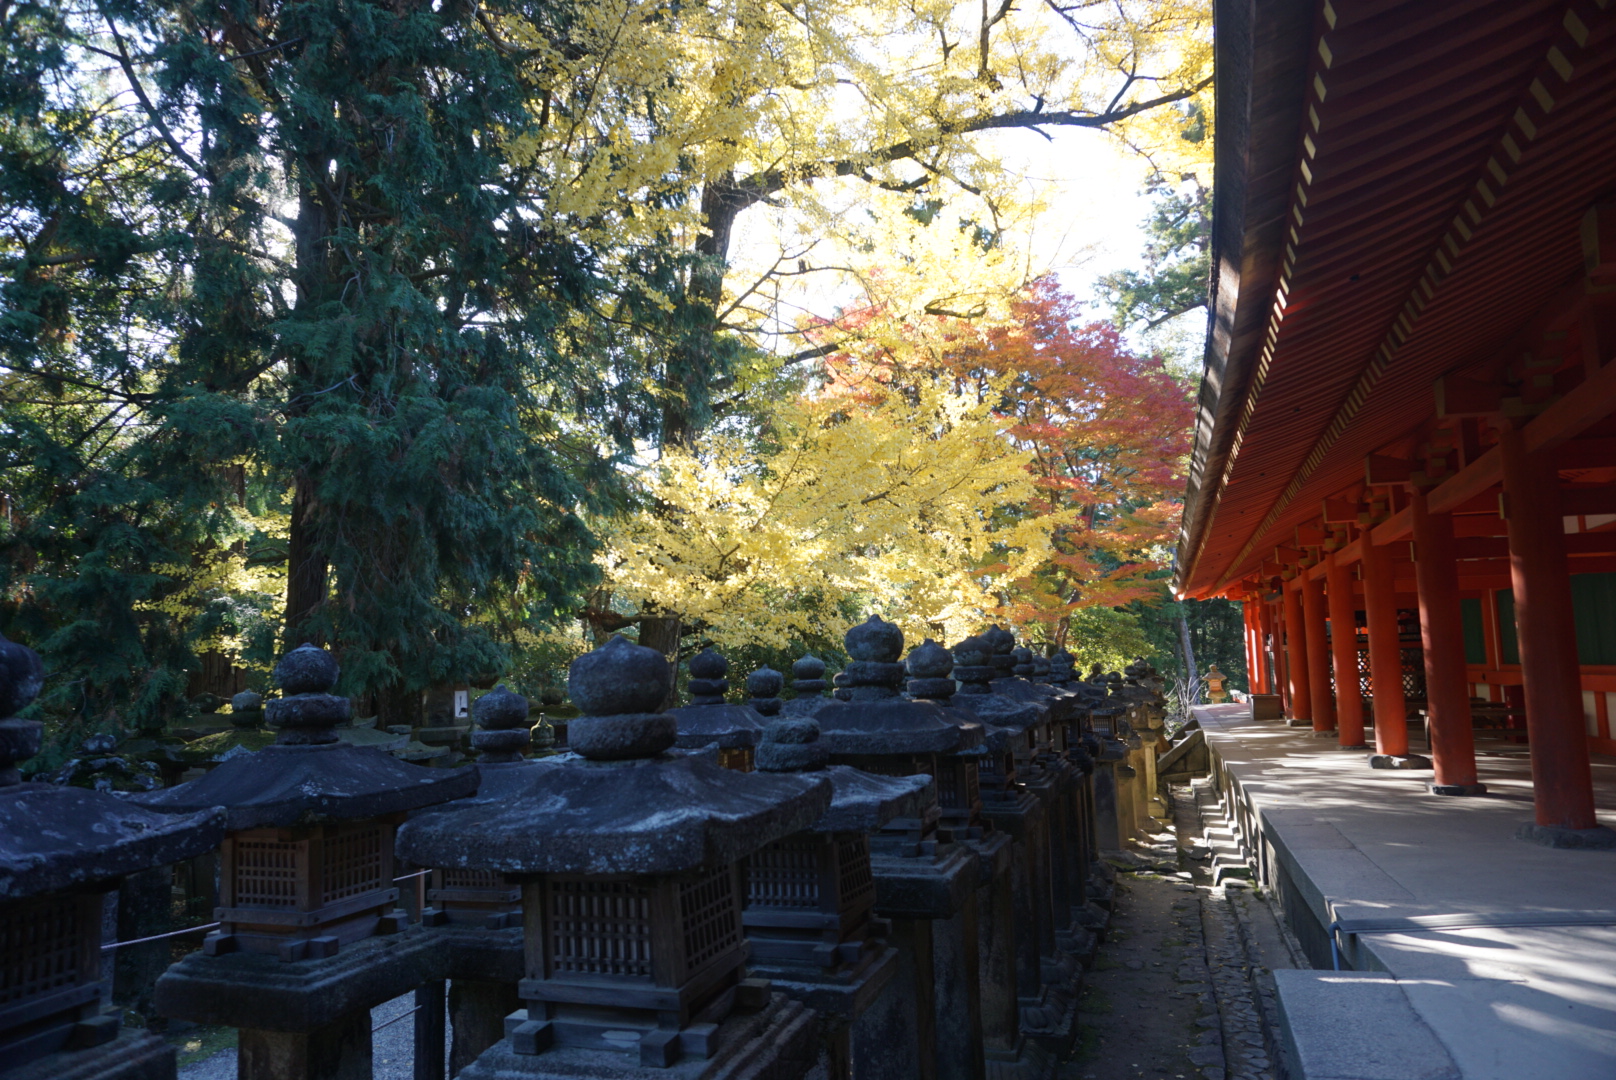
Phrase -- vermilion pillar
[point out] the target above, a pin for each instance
(1562, 785)
(1385, 655)
(1318, 655)
(1436, 572)
(1265, 637)
(1296, 653)
(1282, 682)
(1344, 653)
(1247, 634)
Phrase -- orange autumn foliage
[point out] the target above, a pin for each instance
(1108, 430)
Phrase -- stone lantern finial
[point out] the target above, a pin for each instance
(307, 712)
(503, 728)
(791, 744)
(931, 672)
(22, 676)
(1001, 644)
(763, 688)
(874, 674)
(707, 683)
(809, 683)
(973, 665)
(1061, 668)
(1023, 662)
(619, 689)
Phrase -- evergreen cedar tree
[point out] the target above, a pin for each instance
(295, 265)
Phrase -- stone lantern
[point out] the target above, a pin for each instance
(479, 912)
(808, 683)
(1004, 891)
(708, 721)
(925, 882)
(630, 863)
(1045, 977)
(310, 936)
(1217, 685)
(810, 905)
(61, 850)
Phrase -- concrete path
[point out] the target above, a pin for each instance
(1477, 955)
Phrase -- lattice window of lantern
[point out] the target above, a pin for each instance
(973, 784)
(40, 947)
(948, 789)
(599, 927)
(710, 915)
(853, 871)
(473, 879)
(353, 862)
(266, 873)
(785, 874)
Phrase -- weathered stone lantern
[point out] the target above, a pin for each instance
(1044, 978)
(925, 883)
(709, 721)
(630, 863)
(478, 913)
(61, 850)
(311, 937)
(810, 906)
(1003, 889)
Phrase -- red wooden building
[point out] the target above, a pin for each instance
(1405, 459)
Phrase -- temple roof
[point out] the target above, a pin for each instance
(1400, 189)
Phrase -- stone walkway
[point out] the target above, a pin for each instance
(392, 1044)
(1182, 988)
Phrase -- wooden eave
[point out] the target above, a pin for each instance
(1404, 225)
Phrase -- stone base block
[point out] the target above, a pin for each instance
(1598, 838)
(254, 990)
(133, 1055)
(778, 1042)
(1392, 761)
(1050, 1021)
(1291, 721)
(1327, 733)
(840, 999)
(1354, 746)
(1456, 789)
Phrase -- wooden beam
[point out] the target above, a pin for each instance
(1597, 453)
(1310, 536)
(1380, 469)
(1340, 512)
(1459, 396)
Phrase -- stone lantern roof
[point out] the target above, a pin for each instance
(57, 838)
(308, 777)
(861, 802)
(629, 807)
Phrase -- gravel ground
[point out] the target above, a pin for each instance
(393, 1045)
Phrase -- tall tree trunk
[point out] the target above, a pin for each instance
(662, 633)
(306, 567)
(306, 561)
(1192, 678)
(693, 363)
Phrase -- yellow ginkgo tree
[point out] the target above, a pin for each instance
(888, 504)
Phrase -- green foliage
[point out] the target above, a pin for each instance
(1177, 258)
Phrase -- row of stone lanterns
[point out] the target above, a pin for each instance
(889, 884)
